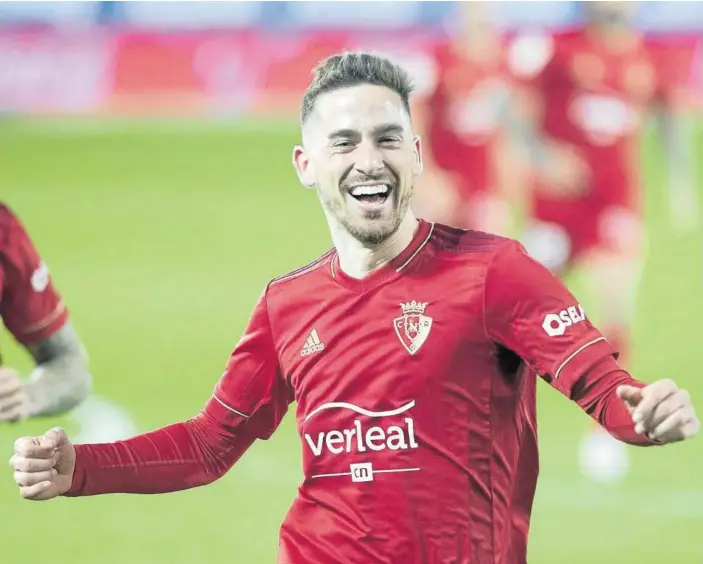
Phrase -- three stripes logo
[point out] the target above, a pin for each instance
(312, 345)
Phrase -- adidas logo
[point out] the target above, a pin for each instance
(312, 345)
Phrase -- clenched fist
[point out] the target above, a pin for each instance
(14, 403)
(661, 411)
(44, 465)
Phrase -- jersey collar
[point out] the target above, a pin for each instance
(390, 270)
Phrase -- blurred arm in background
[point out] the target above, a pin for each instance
(61, 379)
(32, 310)
(556, 164)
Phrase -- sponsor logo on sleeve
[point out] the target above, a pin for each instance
(40, 278)
(555, 324)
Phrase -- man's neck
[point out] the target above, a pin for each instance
(357, 259)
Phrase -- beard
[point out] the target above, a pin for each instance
(372, 228)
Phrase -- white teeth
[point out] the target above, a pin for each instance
(370, 190)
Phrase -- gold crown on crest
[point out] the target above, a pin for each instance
(413, 307)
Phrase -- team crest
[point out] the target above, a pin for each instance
(413, 327)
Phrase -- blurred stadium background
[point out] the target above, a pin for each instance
(147, 147)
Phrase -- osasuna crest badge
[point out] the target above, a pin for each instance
(414, 326)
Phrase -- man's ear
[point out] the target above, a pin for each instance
(303, 167)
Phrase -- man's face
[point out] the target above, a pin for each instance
(361, 156)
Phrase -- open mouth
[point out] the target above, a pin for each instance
(371, 194)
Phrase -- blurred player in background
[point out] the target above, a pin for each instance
(33, 312)
(411, 350)
(463, 122)
(589, 91)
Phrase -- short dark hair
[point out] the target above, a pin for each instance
(351, 69)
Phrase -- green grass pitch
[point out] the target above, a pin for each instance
(160, 239)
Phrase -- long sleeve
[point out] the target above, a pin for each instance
(248, 403)
(177, 457)
(595, 393)
(531, 312)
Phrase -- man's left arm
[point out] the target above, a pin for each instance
(531, 312)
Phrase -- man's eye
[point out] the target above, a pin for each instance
(386, 140)
(342, 144)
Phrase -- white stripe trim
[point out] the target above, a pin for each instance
(332, 270)
(572, 355)
(315, 337)
(372, 472)
(410, 259)
(359, 410)
(331, 475)
(223, 404)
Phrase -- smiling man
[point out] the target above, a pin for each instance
(411, 350)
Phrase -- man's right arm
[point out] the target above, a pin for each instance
(177, 457)
(248, 403)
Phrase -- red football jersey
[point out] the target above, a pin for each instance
(415, 391)
(465, 112)
(418, 444)
(30, 307)
(593, 99)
